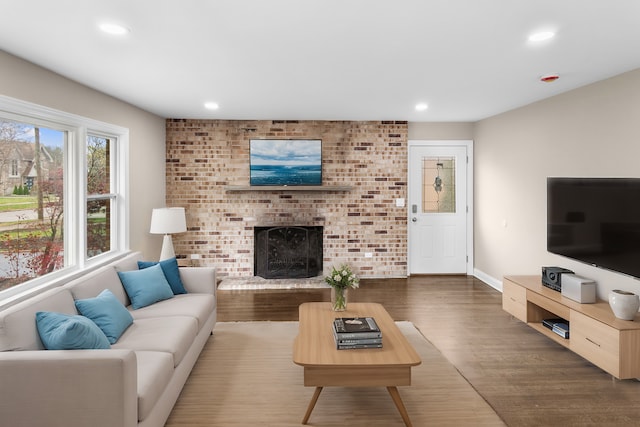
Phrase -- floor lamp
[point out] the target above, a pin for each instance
(167, 221)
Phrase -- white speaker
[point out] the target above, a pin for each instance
(578, 288)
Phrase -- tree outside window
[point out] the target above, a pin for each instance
(31, 202)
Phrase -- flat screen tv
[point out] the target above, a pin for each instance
(285, 162)
(595, 221)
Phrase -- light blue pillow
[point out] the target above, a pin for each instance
(60, 331)
(108, 313)
(171, 272)
(145, 287)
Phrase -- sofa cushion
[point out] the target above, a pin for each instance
(92, 283)
(155, 369)
(108, 313)
(199, 306)
(172, 335)
(145, 287)
(171, 272)
(60, 331)
(18, 329)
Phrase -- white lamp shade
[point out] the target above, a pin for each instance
(168, 221)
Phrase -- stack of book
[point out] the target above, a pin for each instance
(558, 326)
(356, 332)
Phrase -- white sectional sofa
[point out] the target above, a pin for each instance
(135, 382)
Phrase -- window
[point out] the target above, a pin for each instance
(100, 198)
(65, 209)
(14, 167)
(438, 188)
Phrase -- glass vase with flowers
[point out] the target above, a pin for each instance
(341, 280)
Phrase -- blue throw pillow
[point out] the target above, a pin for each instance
(60, 331)
(108, 313)
(145, 287)
(171, 272)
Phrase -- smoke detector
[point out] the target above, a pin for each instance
(549, 78)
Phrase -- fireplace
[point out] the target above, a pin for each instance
(287, 252)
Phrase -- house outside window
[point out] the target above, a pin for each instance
(62, 194)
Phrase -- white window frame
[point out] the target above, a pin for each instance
(75, 194)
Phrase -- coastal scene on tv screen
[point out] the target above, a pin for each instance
(285, 162)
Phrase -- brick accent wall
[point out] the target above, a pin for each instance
(204, 156)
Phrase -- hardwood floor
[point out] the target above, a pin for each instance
(527, 378)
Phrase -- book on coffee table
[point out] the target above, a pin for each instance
(348, 343)
(355, 328)
(357, 346)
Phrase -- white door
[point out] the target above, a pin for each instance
(438, 208)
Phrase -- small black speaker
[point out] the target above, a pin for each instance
(552, 277)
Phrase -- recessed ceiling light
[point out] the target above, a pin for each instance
(541, 36)
(421, 106)
(211, 106)
(113, 29)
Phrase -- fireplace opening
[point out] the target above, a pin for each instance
(290, 252)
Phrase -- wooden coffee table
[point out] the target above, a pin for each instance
(324, 366)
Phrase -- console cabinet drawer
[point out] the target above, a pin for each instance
(596, 342)
(514, 300)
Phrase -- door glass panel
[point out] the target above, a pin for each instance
(438, 185)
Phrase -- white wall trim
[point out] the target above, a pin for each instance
(491, 281)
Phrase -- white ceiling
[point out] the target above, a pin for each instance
(327, 59)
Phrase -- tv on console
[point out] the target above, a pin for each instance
(595, 221)
(285, 162)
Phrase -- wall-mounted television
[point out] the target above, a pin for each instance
(285, 162)
(595, 221)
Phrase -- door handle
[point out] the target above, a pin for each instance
(414, 219)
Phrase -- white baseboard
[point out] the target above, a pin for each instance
(489, 280)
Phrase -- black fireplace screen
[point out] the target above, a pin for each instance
(287, 252)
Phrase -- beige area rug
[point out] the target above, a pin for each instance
(246, 377)
(256, 282)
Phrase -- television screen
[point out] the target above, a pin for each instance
(595, 221)
(285, 162)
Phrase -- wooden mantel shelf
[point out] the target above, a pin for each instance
(288, 188)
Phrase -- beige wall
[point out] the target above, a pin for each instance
(592, 131)
(25, 81)
(440, 131)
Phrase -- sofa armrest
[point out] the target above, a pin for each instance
(199, 280)
(96, 388)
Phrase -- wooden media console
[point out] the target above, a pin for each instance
(594, 332)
